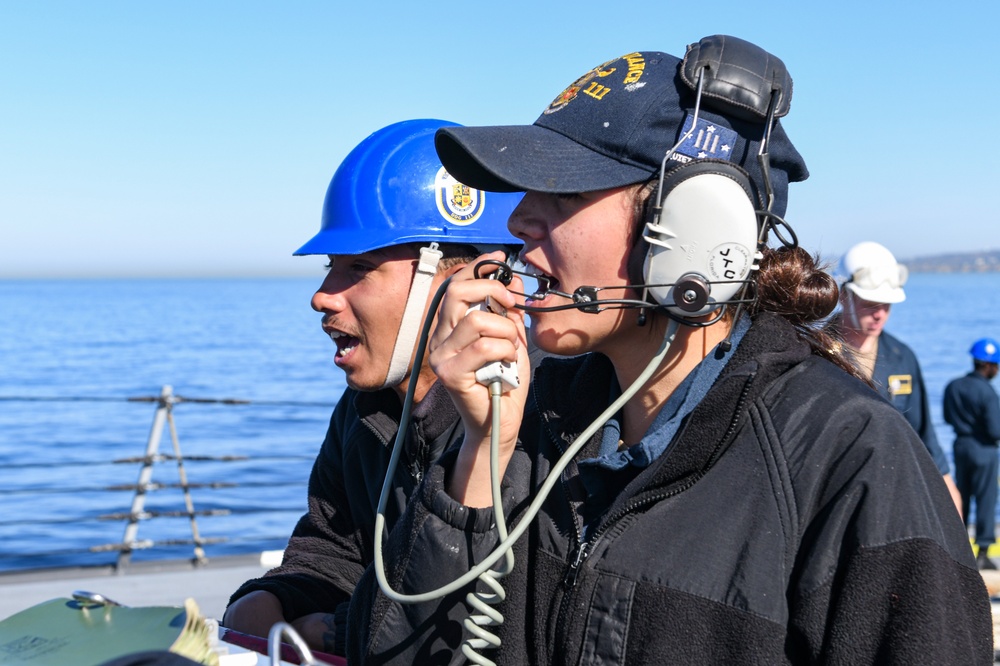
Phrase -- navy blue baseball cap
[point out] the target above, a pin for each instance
(612, 127)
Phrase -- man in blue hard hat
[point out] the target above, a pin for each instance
(872, 283)
(395, 225)
(972, 408)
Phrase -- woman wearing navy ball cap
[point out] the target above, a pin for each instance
(702, 480)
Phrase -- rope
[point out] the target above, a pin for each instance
(153, 514)
(164, 404)
(155, 398)
(161, 458)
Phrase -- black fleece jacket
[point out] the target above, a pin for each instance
(795, 518)
(332, 543)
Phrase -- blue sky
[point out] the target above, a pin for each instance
(197, 138)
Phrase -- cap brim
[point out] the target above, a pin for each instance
(516, 158)
(883, 294)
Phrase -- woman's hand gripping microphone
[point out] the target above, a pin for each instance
(504, 372)
(474, 345)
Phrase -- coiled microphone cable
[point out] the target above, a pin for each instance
(483, 602)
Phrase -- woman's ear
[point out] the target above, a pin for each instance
(641, 212)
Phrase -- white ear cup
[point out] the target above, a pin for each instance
(704, 243)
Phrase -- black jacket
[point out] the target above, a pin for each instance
(795, 518)
(332, 543)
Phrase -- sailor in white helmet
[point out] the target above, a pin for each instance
(872, 283)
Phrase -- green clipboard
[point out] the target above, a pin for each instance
(89, 630)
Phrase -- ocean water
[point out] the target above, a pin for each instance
(942, 316)
(94, 343)
(73, 352)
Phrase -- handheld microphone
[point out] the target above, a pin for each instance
(504, 372)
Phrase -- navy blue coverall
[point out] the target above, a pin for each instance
(898, 378)
(972, 408)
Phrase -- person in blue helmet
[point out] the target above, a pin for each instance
(872, 282)
(395, 225)
(972, 408)
(702, 478)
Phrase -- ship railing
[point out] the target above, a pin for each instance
(138, 513)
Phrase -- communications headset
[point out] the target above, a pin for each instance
(705, 228)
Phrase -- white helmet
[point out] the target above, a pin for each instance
(872, 274)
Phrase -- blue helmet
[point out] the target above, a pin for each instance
(392, 189)
(986, 349)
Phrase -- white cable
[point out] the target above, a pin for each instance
(534, 507)
(283, 629)
(482, 602)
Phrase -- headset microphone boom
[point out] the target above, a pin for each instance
(704, 230)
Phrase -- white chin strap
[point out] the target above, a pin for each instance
(416, 303)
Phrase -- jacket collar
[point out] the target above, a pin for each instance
(769, 348)
(431, 418)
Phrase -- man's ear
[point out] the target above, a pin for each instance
(451, 270)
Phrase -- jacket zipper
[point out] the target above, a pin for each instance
(585, 547)
(569, 580)
(375, 432)
(415, 469)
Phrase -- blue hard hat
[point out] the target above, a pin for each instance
(986, 349)
(392, 189)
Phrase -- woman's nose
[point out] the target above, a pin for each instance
(525, 221)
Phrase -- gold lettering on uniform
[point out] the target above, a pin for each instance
(596, 90)
(636, 67)
(900, 385)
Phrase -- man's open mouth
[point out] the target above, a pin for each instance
(345, 343)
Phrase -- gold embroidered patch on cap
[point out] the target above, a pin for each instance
(588, 84)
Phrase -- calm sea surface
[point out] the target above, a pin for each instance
(99, 342)
(73, 352)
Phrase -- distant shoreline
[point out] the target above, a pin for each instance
(987, 261)
(966, 262)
